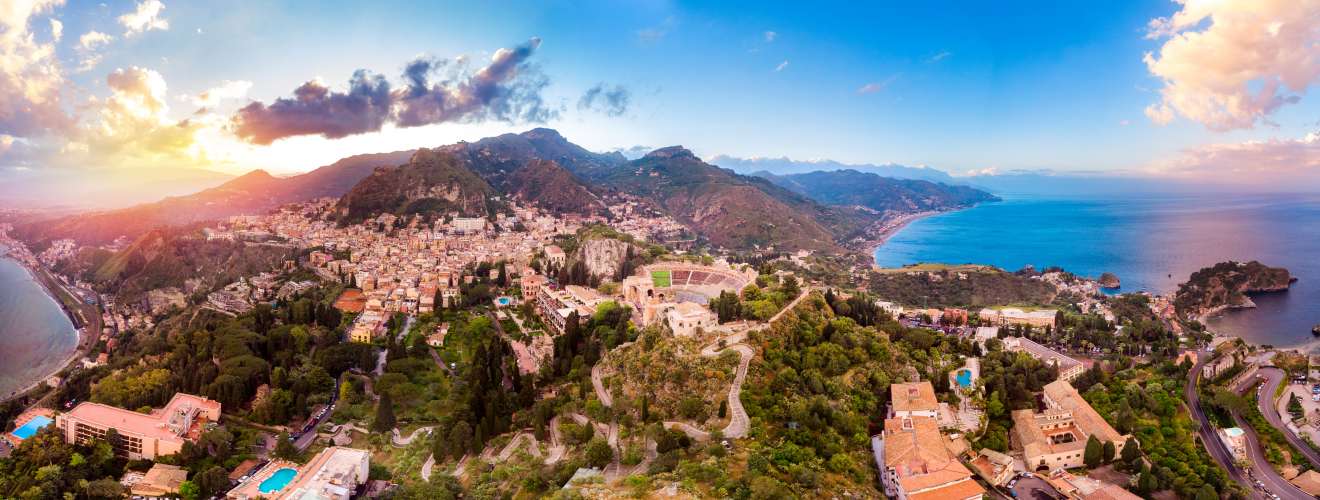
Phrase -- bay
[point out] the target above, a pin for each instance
(1151, 241)
(36, 337)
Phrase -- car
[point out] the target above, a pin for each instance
(1012, 483)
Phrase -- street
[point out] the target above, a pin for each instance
(1206, 432)
(1261, 469)
(1274, 377)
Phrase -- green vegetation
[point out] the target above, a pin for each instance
(1227, 284)
(960, 288)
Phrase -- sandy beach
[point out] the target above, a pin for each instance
(48, 284)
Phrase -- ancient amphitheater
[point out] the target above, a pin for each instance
(683, 282)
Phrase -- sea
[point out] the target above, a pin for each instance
(1152, 241)
(36, 337)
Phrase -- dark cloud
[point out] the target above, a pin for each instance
(612, 101)
(315, 109)
(434, 91)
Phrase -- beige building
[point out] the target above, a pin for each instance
(685, 318)
(1056, 438)
(142, 435)
(916, 464)
(1069, 368)
(333, 474)
(555, 306)
(913, 399)
(1015, 316)
(159, 481)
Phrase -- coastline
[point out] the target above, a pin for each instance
(82, 345)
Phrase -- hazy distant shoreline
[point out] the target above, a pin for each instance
(28, 383)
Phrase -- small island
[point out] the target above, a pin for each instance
(1109, 280)
(1228, 285)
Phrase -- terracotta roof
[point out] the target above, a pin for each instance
(1091, 423)
(913, 396)
(1309, 482)
(961, 490)
(916, 452)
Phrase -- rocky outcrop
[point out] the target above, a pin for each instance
(1227, 285)
(1109, 280)
(603, 256)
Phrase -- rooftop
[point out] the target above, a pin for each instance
(913, 396)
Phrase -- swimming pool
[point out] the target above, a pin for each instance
(964, 378)
(32, 426)
(277, 481)
(504, 301)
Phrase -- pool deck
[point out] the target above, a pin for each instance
(251, 488)
(24, 418)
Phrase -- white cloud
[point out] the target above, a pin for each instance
(873, 87)
(145, 18)
(1230, 64)
(1282, 162)
(31, 80)
(770, 36)
(943, 54)
(56, 29)
(88, 43)
(229, 89)
(781, 66)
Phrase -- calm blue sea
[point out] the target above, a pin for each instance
(1152, 242)
(36, 337)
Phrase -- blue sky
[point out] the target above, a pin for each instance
(958, 86)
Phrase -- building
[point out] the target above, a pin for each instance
(468, 225)
(437, 339)
(915, 464)
(1069, 368)
(333, 474)
(1056, 438)
(555, 256)
(1235, 441)
(160, 481)
(1085, 488)
(657, 290)
(1014, 316)
(913, 399)
(685, 318)
(1220, 365)
(555, 306)
(994, 467)
(142, 435)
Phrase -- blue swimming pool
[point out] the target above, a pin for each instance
(964, 378)
(504, 301)
(32, 426)
(277, 481)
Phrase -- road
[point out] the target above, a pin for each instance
(1273, 377)
(308, 432)
(1206, 432)
(1261, 467)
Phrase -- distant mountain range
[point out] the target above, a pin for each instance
(813, 211)
(786, 166)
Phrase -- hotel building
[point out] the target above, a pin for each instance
(142, 435)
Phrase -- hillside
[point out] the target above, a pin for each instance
(882, 194)
(433, 180)
(960, 287)
(252, 193)
(732, 210)
(1228, 285)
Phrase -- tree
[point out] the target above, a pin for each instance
(1108, 452)
(284, 447)
(1147, 482)
(212, 481)
(599, 453)
(1094, 452)
(1131, 451)
(1207, 492)
(189, 490)
(384, 420)
(724, 408)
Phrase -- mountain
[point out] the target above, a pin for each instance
(252, 193)
(786, 166)
(882, 194)
(83, 189)
(733, 210)
(433, 180)
(539, 165)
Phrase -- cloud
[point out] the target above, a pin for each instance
(145, 18)
(31, 79)
(507, 89)
(1230, 64)
(873, 87)
(602, 98)
(942, 55)
(770, 36)
(56, 29)
(656, 33)
(132, 125)
(1282, 162)
(781, 66)
(229, 89)
(88, 57)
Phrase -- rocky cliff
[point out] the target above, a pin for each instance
(1228, 285)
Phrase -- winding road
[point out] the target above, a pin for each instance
(1206, 432)
(1261, 467)
(1273, 377)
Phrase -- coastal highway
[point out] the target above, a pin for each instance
(1261, 467)
(1206, 432)
(1273, 377)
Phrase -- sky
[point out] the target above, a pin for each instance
(1213, 90)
